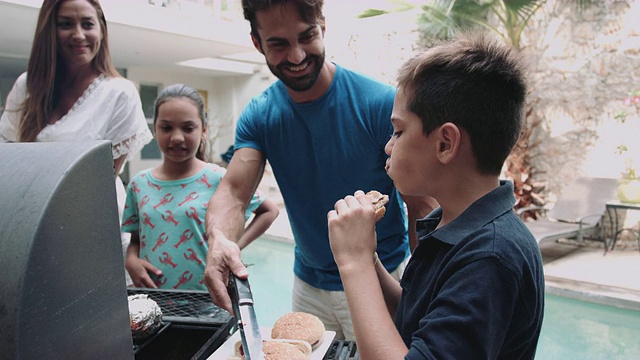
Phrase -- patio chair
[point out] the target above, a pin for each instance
(577, 213)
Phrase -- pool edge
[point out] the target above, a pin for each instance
(596, 293)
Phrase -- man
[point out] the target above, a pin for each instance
(323, 129)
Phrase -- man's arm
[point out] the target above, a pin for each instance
(417, 208)
(225, 222)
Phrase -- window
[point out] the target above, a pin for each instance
(148, 95)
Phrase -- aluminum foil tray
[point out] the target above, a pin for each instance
(185, 306)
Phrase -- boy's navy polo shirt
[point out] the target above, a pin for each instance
(474, 288)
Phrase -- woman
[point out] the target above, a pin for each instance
(72, 91)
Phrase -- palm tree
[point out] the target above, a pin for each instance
(441, 19)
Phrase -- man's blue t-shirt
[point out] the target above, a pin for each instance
(474, 288)
(322, 151)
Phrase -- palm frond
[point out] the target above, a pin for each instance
(371, 13)
(402, 6)
(443, 18)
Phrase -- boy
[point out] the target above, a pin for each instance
(474, 286)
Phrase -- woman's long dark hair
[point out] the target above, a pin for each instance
(45, 69)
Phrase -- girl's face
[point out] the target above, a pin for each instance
(179, 130)
(410, 162)
(78, 31)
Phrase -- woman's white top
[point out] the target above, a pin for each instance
(109, 109)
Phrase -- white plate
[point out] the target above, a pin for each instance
(226, 349)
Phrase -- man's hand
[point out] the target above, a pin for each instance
(223, 257)
(139, 270)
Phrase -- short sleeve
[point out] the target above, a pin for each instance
(248, 126)
(10, 120)
(474, 307)
(128, 127)
(383, 111)
(130, 218)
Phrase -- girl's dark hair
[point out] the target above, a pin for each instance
(45, 69)
(185, 91)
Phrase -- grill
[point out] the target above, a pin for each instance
(54, 226)
(193, 328)
(342, 350)
(63, 291)
(192, 307)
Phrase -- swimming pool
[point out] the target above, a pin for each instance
(572, 329)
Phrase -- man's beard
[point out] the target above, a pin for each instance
(302, 83)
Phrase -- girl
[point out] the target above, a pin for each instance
(166, 205)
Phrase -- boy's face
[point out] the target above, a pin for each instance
(409, 149)
(293, 48)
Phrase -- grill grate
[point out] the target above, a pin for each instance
(185, 306)
(342, 350)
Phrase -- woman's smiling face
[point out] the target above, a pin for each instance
(78, 32)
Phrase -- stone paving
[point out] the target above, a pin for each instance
(587, 273)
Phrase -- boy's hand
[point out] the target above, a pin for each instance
(352, 234)
(139, 270)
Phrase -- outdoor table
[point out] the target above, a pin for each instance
(614, 206)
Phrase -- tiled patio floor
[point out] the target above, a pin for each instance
(589, 274)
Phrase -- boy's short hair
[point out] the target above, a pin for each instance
(476, 83)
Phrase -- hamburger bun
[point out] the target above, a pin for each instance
(299, 326)
(379, 201)
(279, 349)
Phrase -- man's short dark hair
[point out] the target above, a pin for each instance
(475, 82)
(310, 11)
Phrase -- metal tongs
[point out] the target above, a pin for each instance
(242, 300)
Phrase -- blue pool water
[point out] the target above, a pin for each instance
(571, 329)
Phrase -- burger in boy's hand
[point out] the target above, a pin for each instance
(379, 201)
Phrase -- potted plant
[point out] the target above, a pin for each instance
(629, 188)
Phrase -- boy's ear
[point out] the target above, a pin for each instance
(448, 142)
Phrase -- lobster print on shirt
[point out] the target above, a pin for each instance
(169, 218)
